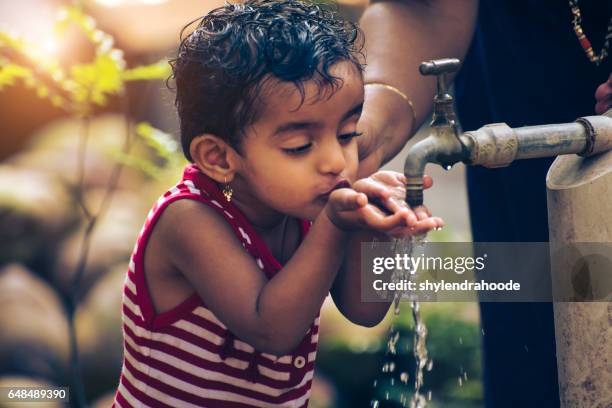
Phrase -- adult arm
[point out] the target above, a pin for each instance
(399, 35)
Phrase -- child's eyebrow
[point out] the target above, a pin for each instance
(291, 126)
(356, 110)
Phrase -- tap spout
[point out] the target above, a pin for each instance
(419, 155)
(439, 148)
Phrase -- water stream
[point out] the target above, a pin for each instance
(422, 360)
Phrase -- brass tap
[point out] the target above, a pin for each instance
(444, 145)
(494, 145)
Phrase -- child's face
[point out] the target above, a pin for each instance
(293, 158)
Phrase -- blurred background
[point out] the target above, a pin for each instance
(87, 144)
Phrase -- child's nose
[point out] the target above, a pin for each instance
(332, 159)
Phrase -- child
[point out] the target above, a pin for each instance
(224, 287)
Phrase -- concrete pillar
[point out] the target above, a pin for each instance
(580, 212)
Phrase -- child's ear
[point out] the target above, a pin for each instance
(214, 157)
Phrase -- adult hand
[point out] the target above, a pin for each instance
(603, 96)
(386, 122)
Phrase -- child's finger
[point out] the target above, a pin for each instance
(373, 189)
(395, 206)
(374, 218)
(392, 206)
(346, 199)
(421, 227)
(390, 177)
(427, 225)
(421, 212)
(401, 178)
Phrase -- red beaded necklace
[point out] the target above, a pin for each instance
(584, 41)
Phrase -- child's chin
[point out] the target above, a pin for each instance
(313, 212)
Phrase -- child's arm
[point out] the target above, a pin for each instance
(271, 315)
(346, 290)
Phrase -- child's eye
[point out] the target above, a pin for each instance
(348, 136)
(298, 150)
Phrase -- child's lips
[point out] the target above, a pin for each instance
(341, 184)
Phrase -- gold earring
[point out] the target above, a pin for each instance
(227, 190)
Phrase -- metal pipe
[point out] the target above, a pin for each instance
(495, 145)
(498, 145)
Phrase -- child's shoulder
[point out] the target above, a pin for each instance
(188, 223)
(189, 209)
(179, 242)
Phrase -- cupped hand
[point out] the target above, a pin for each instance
(378, 203)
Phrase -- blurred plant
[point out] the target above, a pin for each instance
(79, 89)
(456, 375)
(164, 146)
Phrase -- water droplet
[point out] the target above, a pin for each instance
(392, 381)
(429, 365)
(526, 349)
(448, 167)
(460, 381)
(482, 331)
(404, 377)
(375, 404)
(465, 375)
(460, 340)
(375, 383)
(429, 395)
(396, 307)
(386, 395)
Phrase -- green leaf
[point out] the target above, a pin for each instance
(164, 144)
(136, 162)
(11, 72)
(158, 70)
(92, 83)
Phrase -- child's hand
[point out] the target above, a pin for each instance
(378, 203)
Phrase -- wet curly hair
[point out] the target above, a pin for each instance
(222, 65)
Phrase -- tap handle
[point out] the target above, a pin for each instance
(440, 68)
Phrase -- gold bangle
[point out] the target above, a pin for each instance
(400, 94)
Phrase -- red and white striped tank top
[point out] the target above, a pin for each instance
(186, 357)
